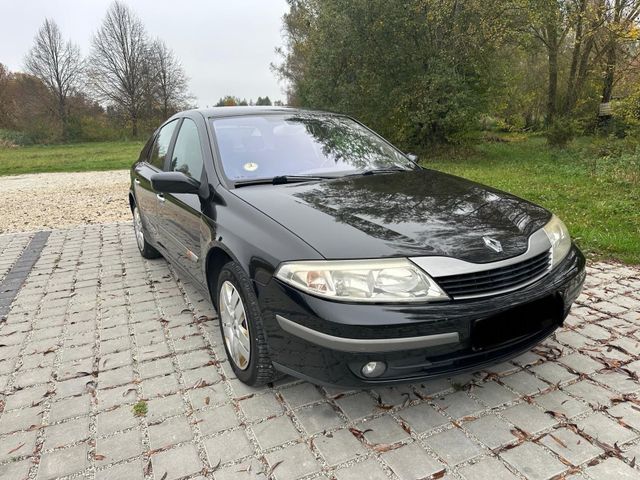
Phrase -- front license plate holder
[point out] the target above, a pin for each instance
(515, 324)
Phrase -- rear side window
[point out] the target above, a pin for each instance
(161, 145)
(187, 153)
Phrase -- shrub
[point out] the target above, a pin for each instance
(560, 132)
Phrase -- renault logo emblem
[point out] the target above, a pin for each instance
(493, 244)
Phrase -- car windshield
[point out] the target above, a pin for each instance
(274, 145)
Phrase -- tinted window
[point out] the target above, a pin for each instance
(300, 144)
(187, 154)
(161, 145)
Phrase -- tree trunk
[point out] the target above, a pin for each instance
(64, 118)
(609, 73)
(552, 90)
(572, 90)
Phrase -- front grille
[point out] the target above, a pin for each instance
(489, 282)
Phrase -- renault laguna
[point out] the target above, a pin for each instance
(332, 256)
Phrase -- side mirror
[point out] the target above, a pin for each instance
(174, 182)
(412, 156)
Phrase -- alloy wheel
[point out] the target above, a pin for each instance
(235, 325)
(137, 227)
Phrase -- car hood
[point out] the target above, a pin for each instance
(413, 213)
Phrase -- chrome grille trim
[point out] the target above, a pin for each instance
(465, 280)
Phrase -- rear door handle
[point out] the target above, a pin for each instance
(137, 181)
(160, 197)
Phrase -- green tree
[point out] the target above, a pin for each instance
(418, 71)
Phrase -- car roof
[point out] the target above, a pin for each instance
(216, 112)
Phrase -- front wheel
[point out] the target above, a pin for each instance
(146, 250)
(241, 325)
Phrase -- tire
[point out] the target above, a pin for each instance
(258, 370)
(146, 250)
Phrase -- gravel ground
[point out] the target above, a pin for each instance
(56, 200)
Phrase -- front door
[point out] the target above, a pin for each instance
(179, 214)
(146, 198)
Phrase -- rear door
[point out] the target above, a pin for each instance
(146, 198)
(179, 214)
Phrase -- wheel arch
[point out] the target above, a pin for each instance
(217, 257)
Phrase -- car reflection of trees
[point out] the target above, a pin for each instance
(344, 140)
(424, 203)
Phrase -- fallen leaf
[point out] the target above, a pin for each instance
(15, 449)
(97, 456)
(558, 441)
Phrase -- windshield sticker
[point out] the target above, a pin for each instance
(250, 167)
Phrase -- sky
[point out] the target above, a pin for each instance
(225, 46)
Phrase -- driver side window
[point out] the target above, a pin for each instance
(187, 153)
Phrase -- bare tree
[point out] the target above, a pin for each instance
(169, 79)
(58, 64)
(119, 62)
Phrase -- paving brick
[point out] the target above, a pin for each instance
(216, 419)
(533, 461)
(208, 374)
(422, 417)
(571, 446)
(453, 446)
(492, 394)
(159, 408)
(66, 433)
(229, 446)
(382, 430)
(23, 419)
(15, 470)
(63, 462)
(113, 420)
(369, 469)
(560, 402)
(274, 432)
(339, 446)
(591, 393)
(491, 431)
(488, 468)
(176, 463)
(301, 394)
(318, 418)
(528, 418)
(554, 373)
(293, 462)
(126, 471)
(210, 395)
(411, 462)
(159, 386)
(119, 447)
(458, 404)
(357, 406)
(170, 432)
(17, 445)
(602, 428)
(524, 383)
(260, 406)
(612, 468)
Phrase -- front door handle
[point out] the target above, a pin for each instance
(160, 197)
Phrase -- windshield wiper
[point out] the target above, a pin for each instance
(281, 179)
(374, 171)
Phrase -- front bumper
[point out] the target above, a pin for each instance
(328, 342)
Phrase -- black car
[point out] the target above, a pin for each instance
(332, 256)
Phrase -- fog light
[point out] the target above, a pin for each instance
(373, 369)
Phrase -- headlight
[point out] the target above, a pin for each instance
(560, 240)
(384, 280)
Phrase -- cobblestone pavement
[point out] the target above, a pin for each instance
(97, 333)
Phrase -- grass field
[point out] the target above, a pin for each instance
(597, 197)
(77, 157)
